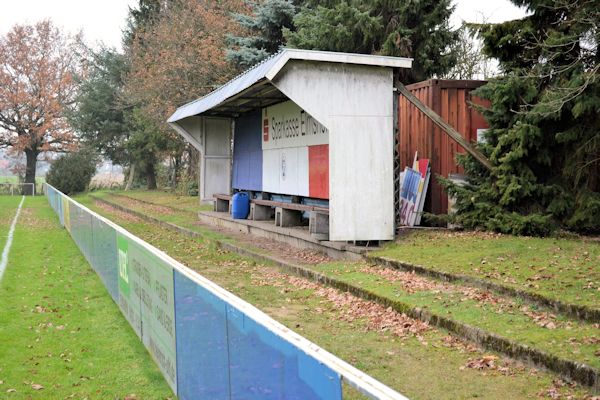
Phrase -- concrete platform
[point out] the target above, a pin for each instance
(296, 236)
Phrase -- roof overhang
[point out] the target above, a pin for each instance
(253, 89)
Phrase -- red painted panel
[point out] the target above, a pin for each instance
(318, 171)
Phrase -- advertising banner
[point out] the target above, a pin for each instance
(66, 214)
(414, 183)
(287, 125)
(146, 299)
(295, 152)
(223, 353)
(105, 257)
(206, 342)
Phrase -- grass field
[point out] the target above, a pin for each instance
(523, 323)
(39, 182)
(187, 203)
(13, 179)
(8, 206)
(61, 335)
(559, 268)
(420, 362)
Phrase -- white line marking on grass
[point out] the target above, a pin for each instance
(9, 240)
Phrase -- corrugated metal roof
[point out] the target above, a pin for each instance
(269, 68)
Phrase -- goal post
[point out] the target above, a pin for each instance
(17, 189)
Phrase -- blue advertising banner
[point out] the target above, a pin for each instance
(234, 357)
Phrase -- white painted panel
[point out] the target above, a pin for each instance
(325, 90)
(355, 103)
(270, 175)
(215, 163)
(293, 171)
(218, 136)
(302, 173)
(216, 176)
(361, 195)
(285, 171)
(288, 170)
(192, 127)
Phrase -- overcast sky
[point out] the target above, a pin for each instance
(104, 20)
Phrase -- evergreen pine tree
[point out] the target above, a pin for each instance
(264, 27)
(415, 28)
(544, 140)
(99, 115)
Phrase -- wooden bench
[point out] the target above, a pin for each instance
(285, 214)
(222, 202)
(290, 214)
(290, 206)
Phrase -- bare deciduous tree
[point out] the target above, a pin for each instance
(471, 62)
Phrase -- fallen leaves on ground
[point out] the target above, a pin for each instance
(459, 344)
(352, 308)
(485, 362)
(561, 390)
(120, 214)
(379, 318)
(492, 363)
(543, 319)
(143, 206)
(410, 281)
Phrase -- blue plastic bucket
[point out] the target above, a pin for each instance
(240, 205)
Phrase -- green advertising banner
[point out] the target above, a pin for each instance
(129, 300)
(147, 300)
(66, 209)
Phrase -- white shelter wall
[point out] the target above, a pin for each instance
(285, 171)
(218, 137)
(215, 164)
(355, 103)
(191, 129)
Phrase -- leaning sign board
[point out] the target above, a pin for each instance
(412, 192)
(287, 125)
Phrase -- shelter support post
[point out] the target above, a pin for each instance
(318, 225)
(260, 213)
(212, 137)
(286, 218)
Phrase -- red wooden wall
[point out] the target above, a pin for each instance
(450, 99)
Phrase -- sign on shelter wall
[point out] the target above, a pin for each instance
(295, 152)
(287, 125)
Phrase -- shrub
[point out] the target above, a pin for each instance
(72, 172)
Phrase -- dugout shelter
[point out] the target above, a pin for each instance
(311, 128)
